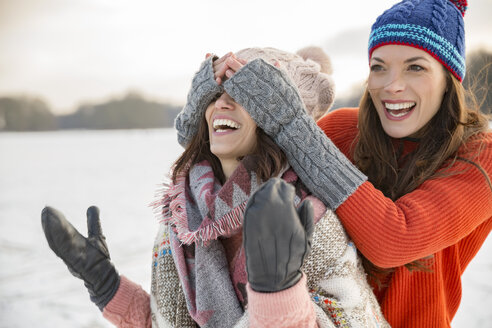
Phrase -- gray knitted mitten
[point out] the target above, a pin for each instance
(272, 100)
(203, 89)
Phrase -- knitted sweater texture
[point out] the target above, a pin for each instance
(448, 217)
(332, 293)
(130, 308)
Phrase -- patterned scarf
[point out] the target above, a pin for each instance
(201, 212)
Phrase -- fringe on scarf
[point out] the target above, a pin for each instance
(170, 208)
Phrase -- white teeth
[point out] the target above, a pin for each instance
(224, 122)
(397, 114)
(399, 106)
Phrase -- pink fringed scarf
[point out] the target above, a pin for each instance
(200, 211)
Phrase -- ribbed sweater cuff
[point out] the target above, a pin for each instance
(276, 106)
(123, 297)
(203, 89)
(290, 305)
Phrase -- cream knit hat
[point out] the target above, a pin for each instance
(309, 69)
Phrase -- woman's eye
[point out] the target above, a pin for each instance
(376, 68)
(416, 68)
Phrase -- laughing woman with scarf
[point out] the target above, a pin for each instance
(408, 172)
(219, 260)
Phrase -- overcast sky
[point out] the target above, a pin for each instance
(68, 51)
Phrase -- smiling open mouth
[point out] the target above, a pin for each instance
(399, 109)
(223, 125)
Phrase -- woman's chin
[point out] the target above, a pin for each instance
(398, 132)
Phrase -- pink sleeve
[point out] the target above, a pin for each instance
(130, 306)
(288, 308)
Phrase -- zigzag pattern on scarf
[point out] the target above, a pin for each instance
(220, 211)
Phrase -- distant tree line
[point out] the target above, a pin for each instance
(133, 111)
(25, 114)
(130, 112)
(478, 79)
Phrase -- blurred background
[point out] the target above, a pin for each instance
(88, 94)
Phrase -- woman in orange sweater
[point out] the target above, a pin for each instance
(409, 172)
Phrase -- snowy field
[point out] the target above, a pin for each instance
(119, 171)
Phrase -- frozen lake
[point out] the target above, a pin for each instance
(119, 171)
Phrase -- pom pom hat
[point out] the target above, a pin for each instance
(310, 70)
(435, 26)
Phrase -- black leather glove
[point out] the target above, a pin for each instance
(276, 236)
(86, 258)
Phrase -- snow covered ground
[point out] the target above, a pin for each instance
(119, 171)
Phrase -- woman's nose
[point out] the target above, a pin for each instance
(395, 83)
(224, 102)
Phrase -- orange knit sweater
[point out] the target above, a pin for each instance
(448, 217)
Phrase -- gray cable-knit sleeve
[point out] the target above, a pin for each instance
(203, 89)
(274, 103)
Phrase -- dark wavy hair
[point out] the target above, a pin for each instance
(457, 121)
(269, 158)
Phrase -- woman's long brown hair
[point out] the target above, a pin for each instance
(269, 158)
(455, 123)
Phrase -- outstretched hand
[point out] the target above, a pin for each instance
(86, 258)
(276, 236)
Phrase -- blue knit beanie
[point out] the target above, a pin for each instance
(435, 26)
